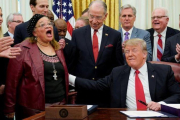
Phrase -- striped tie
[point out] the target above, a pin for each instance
(159, 48)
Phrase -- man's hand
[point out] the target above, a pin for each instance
(154, 106)
(62, 43)
(177, 56)
(11, 52)
(5, 43)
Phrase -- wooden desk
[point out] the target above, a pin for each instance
(101, 114)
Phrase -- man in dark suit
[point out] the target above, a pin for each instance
(127, 18)
(37, 7)
(12, 21)
(156, 82)
(160, 20)
(98, 49)
(172, 49)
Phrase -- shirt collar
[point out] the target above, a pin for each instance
(10, 34)
(100, 29)
(162, 33)
(142, 70)
(130, 31)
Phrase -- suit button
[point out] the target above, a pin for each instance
(92, 78)
(95, 67)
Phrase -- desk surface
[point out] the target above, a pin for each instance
(101, 114)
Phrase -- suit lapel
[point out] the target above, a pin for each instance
(103, 41)
(89, 41)
(152, 77)
(134, 33)
(121, 34)
(38, 64)
(124, 84)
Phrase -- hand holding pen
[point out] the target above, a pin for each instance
(152, 105)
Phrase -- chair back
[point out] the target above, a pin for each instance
(175, 67)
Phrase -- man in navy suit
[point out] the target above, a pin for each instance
(127, 19)
(158, 81)
(37, 7)
(160, 20)
(12, 21)
(109, 49)
(172, 49)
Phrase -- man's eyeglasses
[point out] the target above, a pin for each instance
(96, 17)
(44, 25)
(157, 17)
(17, 21)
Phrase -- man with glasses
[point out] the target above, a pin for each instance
(37, 7)
(12, 21)
(160, 32)
(98, 51)
(129, 31)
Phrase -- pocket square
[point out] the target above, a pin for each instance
(107, 46)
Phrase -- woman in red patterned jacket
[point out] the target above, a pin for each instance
(38, 77)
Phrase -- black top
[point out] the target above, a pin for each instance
(54, 88)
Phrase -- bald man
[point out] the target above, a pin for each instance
(62, 27)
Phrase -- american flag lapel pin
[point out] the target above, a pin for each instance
(106, 34)
(152, 76)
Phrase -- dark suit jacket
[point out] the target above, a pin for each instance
(170, 48)
(21, 34)
(6, 34)
(68, 53)
(162, 86)
(110, 56)
(170, 32)
(85, 65)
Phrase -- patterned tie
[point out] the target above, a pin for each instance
(126, 36)
(159, 48)
(95, 45)
(139, 92)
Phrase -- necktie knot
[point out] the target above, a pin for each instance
(95, 31)
(159, 35)
(126, 33)
(126, 36)
(137, 72)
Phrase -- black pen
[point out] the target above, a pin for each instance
(143, 102)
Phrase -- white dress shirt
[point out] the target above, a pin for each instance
(11, 35)
(163, 37)
(99, 35)
(131, 95)
(130, 33)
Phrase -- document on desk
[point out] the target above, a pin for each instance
(142, 114)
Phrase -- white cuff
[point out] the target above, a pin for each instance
(72, 80)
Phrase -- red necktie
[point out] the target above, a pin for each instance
(159, 48)
(139, 92)
(95, 45)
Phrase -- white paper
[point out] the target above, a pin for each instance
(143, 114)
(89, 106)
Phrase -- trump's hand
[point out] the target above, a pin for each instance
(5, 43)
(154, 106)
(11, 52)
(62, 43)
